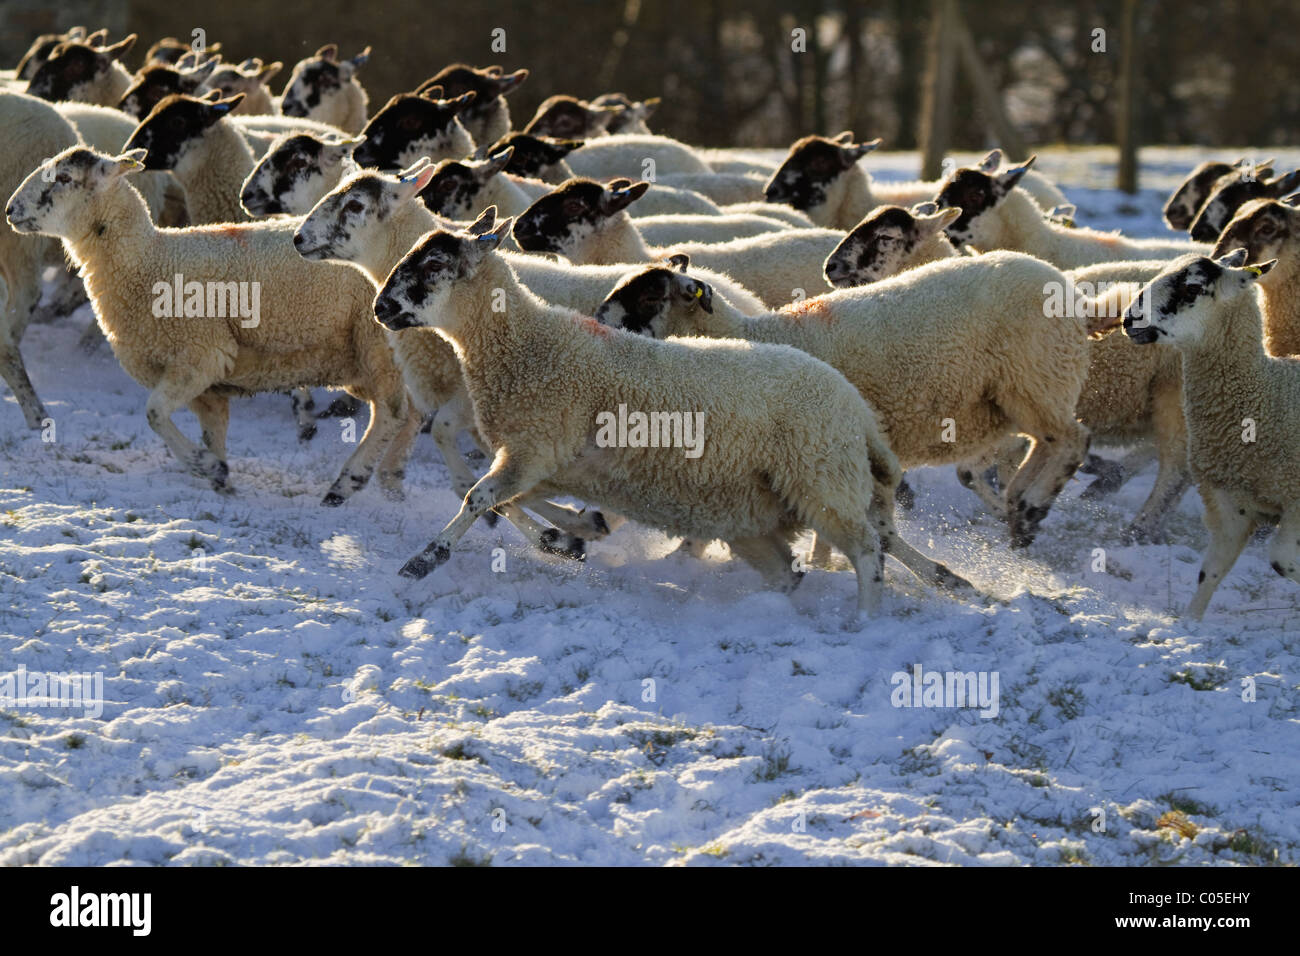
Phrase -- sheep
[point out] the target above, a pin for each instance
(326, 89)
(666, 230)
(250, 79)
(457, 187)
(997, 215)
(295, 173)
(823, 177)
(371, 219)
(487, 118)
(568, 117)
(84, 73)
(629, 154)
(1231, 191)
(1129, 394)
(42, 47)
(793, 444)
(169, 51)
(414, 125)
(1270, 229)
(1242, 407)
(374, 237)
(31, 130)
(537, 157)
(631, 116)
(153, 83)
(302, 323)
(587, 222)
(1186, 200)
(728, 161)
(954, 356)
(784, 213)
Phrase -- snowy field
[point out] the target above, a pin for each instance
(274, 694)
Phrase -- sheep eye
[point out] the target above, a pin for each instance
(1266, 229)
(353, 206)
(63, 179)
(574, 208)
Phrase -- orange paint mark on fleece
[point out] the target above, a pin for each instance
(595, 328)
(814, 308)
(234, 232)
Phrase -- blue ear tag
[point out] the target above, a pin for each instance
(487, 236)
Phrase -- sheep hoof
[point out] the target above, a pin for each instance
(344, 407)
(425, 562)
(556, 542)
(1110, 478)
(945, 579)
(333, 500)
(491, 518)
(904, 496)
(598, 523)
(307, 432)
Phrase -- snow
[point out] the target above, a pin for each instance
(275, 694)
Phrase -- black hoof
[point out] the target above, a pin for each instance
(904, 496)
(306, 433)
(424, 563)
(951, 582)
(333, 500)
(491, 518)
(564, 545)
(599, 523)
(344, 407)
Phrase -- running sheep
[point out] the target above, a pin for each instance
(1242, 407)
(954, 356)
(298, 323)
(790, 444)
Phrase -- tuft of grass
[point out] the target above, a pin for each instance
(776, 764)
(74, 741)
(463, 858)
(1177, 821)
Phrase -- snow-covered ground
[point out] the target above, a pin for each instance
(273, 694)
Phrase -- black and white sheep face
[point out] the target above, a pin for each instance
(1184, 300)
(1231, 194)
(812, 175)
(40, 51)
(316, 81)
(654, 299)
(350, 220)
(567, 117)
(1188, 198)
(456, 186)
(418, 286)
(1263, 227)
(155, 84)
(294, 174)
(534, 156)
(74, 68)
(566, 219)
(976, 191)
(175, 127)
(53, 199)
(632, 116)
(880, 245)
(248, 78)
(488, 86)
(411, 126)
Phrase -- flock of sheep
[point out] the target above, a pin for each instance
(521, 285)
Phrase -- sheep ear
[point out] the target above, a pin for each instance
(649, 106)
(119, 49)
(415, 167)
(265, 73)
(1234, 259)
(507, 83)
(844, 139)
(485, 222)
(459, 103)
(1007, 180)
(990, 163)
(490, 240)
(499, 161)
(329, 52)
(211, 96)
(97, 38)
(430, 91)
(132, 161)
(1285, 184)
(620, 197)
(223, 107)
(1260, 268)
(928, 208)
(361, 59)
(856, 152)
(942, 218)
(617, 184)
(1292, 200)
(75, 33)
(679, 261)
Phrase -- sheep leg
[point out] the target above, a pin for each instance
(92, 338)
(213, 413)
(18, 300)
(1173, 478)
(386, 418)
(549, 540)
(931, 572)
(181, 384)
(1284, 553)
(770, 556)
(854, 536)
(451, 418)
(505, 480)
(587, 523)
(304, 408)
(1058, 450)
(1230, 528)
(392, 466)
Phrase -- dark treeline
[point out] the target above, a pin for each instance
(1212, 72)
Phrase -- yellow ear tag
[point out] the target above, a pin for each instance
(698, 292)
(1255, 270)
